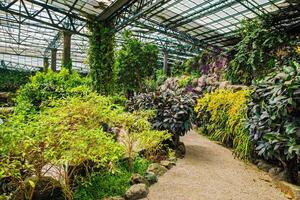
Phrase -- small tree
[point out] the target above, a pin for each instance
(135, 62)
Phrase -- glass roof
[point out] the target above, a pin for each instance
(30, 28)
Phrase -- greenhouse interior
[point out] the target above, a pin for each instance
(149, 99)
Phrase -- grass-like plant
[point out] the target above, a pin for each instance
(222, 116)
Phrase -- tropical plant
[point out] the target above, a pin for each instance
(11, 80)
(252, 57)
(222, 116)
(136, 135)
(173, 111)
(44, 87)
(135, 62)
(106, 184)
(274, 119)
(212, 63)
(64, 137)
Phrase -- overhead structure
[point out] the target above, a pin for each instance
(31, 31)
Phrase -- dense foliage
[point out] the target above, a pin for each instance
(12, 80)
(274, 118)
(110, 184)
(44, 87)
(101, 57)
(253, 56)
(222, 116)
(173, 111)
(86, 132)
(135, 63)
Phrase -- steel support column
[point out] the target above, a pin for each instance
(46, 64)
(166, 66)
(53, 59)
(66, 58)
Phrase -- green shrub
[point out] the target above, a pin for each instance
(44, 87)
(135, 62)
(66, 134)
(253, 56)
(274, 121)
(109, 184)
(12, 80)
(75, 132)
(173, 111)
(222, 116)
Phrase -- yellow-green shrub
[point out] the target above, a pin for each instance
(222, 116)
(71, 132)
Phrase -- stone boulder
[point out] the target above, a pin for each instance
(172, 159)
(263, 165)
(167, 164)
(180, 150)
(157, 169)
(150, 177)
(137, 191)
(42, 188)
(223, 85)
(274, 171)
(137, 178)
(202, 81)
(114, 198)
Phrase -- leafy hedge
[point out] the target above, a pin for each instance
(222, 116)
(110, 184)
(86, 131)
(274, 118)
(135, 63)
(174, 111)
(253, 56)
(12, 80)
(45, 87)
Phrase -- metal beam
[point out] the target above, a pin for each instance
(135, 11)
(69, 22)
(111, 11)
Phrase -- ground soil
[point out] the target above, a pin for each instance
(209, 171)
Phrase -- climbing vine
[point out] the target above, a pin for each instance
(100, 57)
(253, 57)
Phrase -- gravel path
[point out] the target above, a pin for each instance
(210, 172)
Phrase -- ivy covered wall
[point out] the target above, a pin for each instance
(101, 57)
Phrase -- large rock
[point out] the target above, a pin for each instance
(223, 85)
(137, 178)
(42, 188)
(180, 150)
(263, 165)
(151, 177)
(172, 159)
(236, 87)
(202, 81)
(157, 169)
(114, 198)
(167, 164)
(137, 191)
(274, 171)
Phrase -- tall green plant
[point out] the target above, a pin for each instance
(253, 56)
(44, 87)
(135, 62)
(274, 119)
(101, 57)
(11, 80)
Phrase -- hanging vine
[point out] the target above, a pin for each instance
(100, 57)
